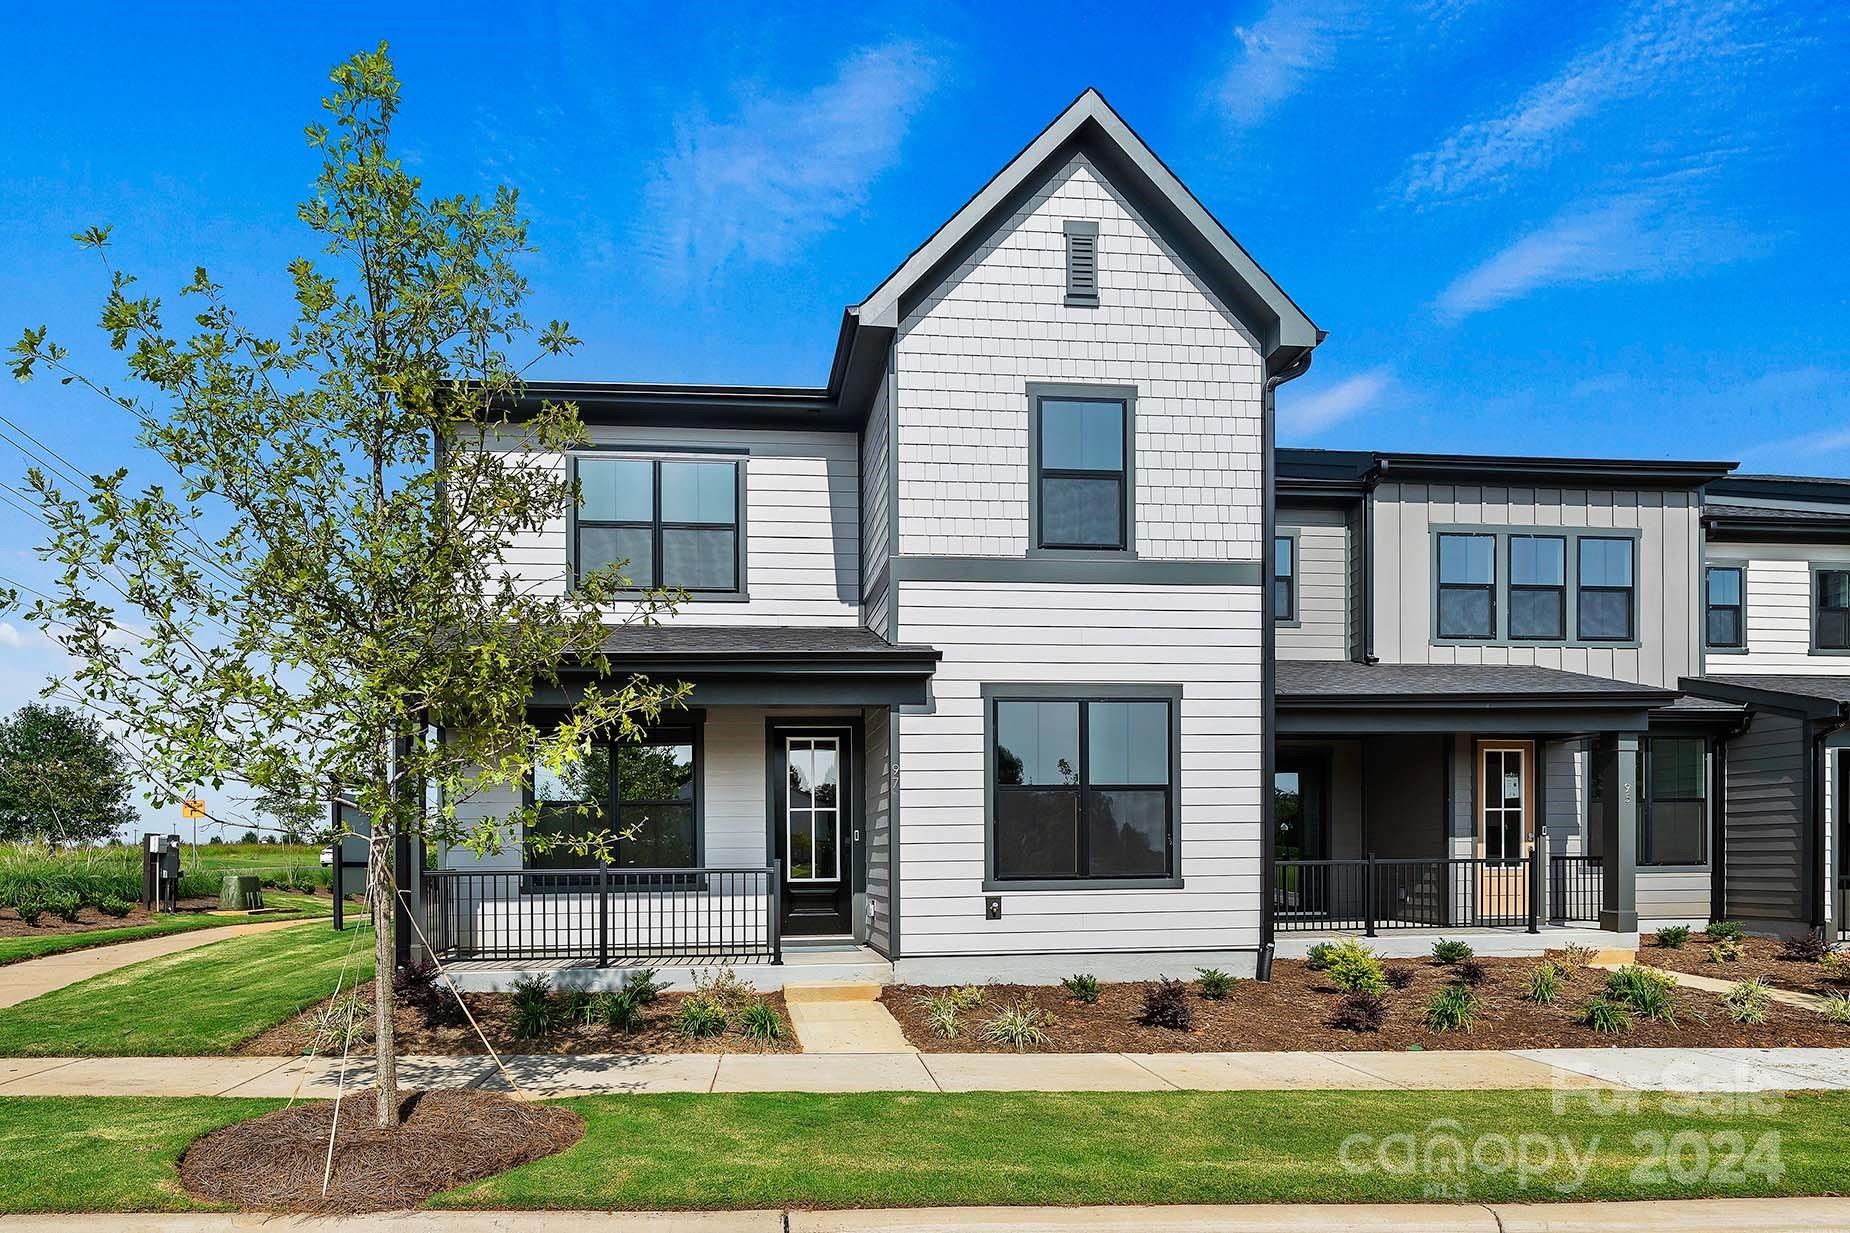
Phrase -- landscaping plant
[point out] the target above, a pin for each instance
(644, 985)
(576, 1008)
(941, 1012)
(1544, 983)
(30, 910)
(1577, 955)
(1081, 987)
(1471, 972)
(760, 1023)
(1749, 1001)
(1356, 971)
(65, 907)
(1726, 930)
(1450, 951)
(114, 906)
(1317, 958)
(534, 1013)
(1671, 937)
(726, 989)
(1727, 950)
(1452, 1009)
(619, 1009)
(1166, 1005)
(1360, 1012)
(698, 1018)
(1214, 983)
(1020, 1026)
(1835, 1007)
(969, 997)
(1606, 1016)
(1810, 947)
(1398, 977)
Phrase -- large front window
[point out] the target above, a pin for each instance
(630, 802)
(1082, 789)
(1081, 475)
(1832, 615)
(664, 522)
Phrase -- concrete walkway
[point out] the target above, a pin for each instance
(1708, 984)
(29, 978)
(1667, 1216)
(843, 1017)
(1680, 1070)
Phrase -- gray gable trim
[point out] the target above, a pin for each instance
(1090, 126)
(1078, 571)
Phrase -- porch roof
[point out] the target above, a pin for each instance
(1342, 696)
(773, 665)
(1809, 696)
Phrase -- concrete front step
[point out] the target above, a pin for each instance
(833, 991)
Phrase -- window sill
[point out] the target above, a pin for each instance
(1084, 554)
(993, 887)
(1082, 301)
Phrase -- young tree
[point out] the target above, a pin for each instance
(62, 780)
(322, 589)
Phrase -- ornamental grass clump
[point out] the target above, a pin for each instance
(941, 1013)
(698, 1017)
(534, 1012)
(1835, 1007)
(1544, 983)
(761, 1023)
(617, 1009)
(1020, 1026)
(1452, 1009)
(1606, 1016)
(1749, 1002)
(1646, 990)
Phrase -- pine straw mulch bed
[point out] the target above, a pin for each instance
(275, 1163)
(1291, 1012)
(1759, 957)
(443, 1031)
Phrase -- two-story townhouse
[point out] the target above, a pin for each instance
(977, 632)
(1776, 642)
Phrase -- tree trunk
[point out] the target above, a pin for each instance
(384, 895)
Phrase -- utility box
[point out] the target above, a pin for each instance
(160, 872)
(241, 892)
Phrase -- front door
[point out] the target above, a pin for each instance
(1505, 820)
(812, 827)
(1300, 832)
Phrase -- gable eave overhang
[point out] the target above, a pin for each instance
(1734, 529)
(1090, 126)
(1780, 701)
(1605, 472)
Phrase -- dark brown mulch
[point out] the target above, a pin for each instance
(275, 1163)
(89, 920)
(1293, 1009)
(1759, 958)
(447, 1033)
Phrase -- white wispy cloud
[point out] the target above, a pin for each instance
(1277, 55)
(1325, 408)
(785, 168)
(11, 636)
(1652, 44)
(1636, 236)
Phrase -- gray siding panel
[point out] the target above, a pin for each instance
(1322, 628)
(1766, 828)
(879, 830)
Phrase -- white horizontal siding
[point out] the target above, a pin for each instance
(1779, 608)
(1204, 639)
(1322, 628)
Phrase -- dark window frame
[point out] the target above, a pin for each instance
(1083, 695)
(1559, 590)
(1040, 393)
(656, 525)
(690, 730)
(1739, 608)
(1292, 617)
(1582, 589)
(1648, 800)
(1440, 587)
(1818, 643)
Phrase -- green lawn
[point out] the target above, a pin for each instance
(891, 1149)
(34, 946)
(199, 1001)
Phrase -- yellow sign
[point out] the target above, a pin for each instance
(192, 809)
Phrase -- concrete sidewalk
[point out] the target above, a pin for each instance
(29, 978)
(1682, 1070)
(1669, 1216)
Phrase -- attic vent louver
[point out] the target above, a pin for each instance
(1081, 262)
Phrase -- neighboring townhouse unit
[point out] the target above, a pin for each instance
(1019, 649)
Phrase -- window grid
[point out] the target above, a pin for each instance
(815, 820)
(1558, 590)
(1628, 591)
(1488, 589)
(1119, 476)
(657, 526)
(1724, 622)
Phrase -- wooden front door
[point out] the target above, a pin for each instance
(812, 827)
(1505, 831)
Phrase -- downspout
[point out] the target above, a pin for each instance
(1291, 368)
(1368, 567)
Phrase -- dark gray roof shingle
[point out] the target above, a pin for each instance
(1774, 513)
(1345, 678)
(765, 640)
(1822, 688)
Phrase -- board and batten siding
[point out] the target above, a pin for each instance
(1669, 613)
(802, 526)
(1779, 608)
(966, 354)
(1765, 873)
(1205, 640)
(1322, 629)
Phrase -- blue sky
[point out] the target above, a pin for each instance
(1604, 228)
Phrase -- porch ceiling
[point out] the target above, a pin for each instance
(1341, 696)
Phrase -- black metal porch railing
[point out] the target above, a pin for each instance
(1575, 884)
(607, 916)
(1375, 893)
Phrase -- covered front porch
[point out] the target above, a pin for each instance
(1453, 798)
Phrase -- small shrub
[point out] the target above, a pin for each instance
(1471, 972)
(30, 910)
(1606, 1016)
(1021, 1026)
(619, 1009)
(1357, 971)
(65, 907)
(114, 906)
(1749, 1001)
(1644, 989)
(1452, 1009)
(535, 1013)
(1544, 983)
(1727, 950)
(1726, 931)
(968, 997)
(762, 1024)
(1398, 977)
(1835, 1007)
(726, 989)
(1317, 957)
(699, 1018)
(1671, 937)
(644, 985)
(575, 1007)
(1805, 948)
(1444, 951)
(1081, 987)
(941, 1012)
(1360, 1012)
(1576, 955)
(1166, 1005)
(1214, 983)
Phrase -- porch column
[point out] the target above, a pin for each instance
(1616, 762)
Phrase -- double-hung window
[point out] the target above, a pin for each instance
(1538, 588)
(1724, 621)
(630, 802)
(1467, 586)
(1082, 479)
(1284, 578)
(1831, 616)
(1674, 830)
(1606, 610)
(670, 523)
(1082, 789)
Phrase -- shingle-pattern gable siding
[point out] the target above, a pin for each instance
(1322, 630)
(966, 353)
